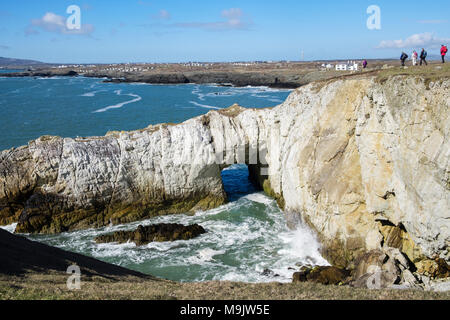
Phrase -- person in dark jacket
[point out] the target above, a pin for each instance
(403, 58)
(423, 57)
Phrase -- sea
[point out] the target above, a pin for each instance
(247, 239)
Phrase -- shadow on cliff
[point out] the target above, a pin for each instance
(19, 256)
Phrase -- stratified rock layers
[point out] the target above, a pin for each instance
(365, 164)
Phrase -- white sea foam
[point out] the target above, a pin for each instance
(214, 212)
(262, 96)
(276, 100)
(198, 93)
(255, 244)
(108, 250)
(260, 198)
(302, 244)
(49, 78)
(203, 105)
(92, 94)
(120, 105)
(205, 255)
(10, 228)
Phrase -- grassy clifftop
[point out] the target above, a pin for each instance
(53, 287)
(34, 271)
(432, 72)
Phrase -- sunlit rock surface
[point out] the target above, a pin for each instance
(365, 164)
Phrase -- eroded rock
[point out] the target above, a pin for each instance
(323, 275)
(154, 233)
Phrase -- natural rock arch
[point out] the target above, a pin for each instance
(337, 153)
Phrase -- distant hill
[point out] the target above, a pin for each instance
(10, 62)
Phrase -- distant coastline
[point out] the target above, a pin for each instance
(277, 75)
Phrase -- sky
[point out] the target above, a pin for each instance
(117, 31)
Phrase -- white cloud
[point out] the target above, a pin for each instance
(234, 20)
(233, 13)
(144, 3)
(426, 39)
(163, 15)
(52, 22)
(432, 21)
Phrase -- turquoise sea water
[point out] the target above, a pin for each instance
(244, 237)
(10, 70)
(71, 107)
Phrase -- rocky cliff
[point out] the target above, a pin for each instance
(364, 163)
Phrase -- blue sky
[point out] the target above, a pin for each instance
(210, 30)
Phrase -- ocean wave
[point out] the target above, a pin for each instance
(50, 78)
(203, 105)
(302, 244)
(275, 100)
(92, 94)
(260, 198)
(205, 255)
(10, 228)
(120, 105)
(243, 239)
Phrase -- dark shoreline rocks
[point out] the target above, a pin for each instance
(276, 81)
(154, 233)
(20, 256)
(43, 74)
(322, 274)
(376, 269)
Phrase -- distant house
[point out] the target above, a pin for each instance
(349, 66)
(327, 66)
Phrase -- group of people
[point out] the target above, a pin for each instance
(423, 56)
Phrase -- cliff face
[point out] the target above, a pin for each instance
(365, 164)
(56, 184)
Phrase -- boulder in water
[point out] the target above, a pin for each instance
(269, 273)
(154, 233)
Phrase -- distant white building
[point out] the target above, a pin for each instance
(327, 66)
(349, 66)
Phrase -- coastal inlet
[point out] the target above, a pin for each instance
(246, 240)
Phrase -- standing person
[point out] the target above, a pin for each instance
(415, 55)
(423, 57)
(364, 64)
(403, 58)
(443, 53)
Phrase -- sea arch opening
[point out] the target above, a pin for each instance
(244, 170)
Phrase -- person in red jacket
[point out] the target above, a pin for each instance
(443, 53)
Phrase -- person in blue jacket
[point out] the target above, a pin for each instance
(423, 57)
(403, 58)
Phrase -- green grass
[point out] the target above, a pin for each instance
(53, 287)
(431, 73)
